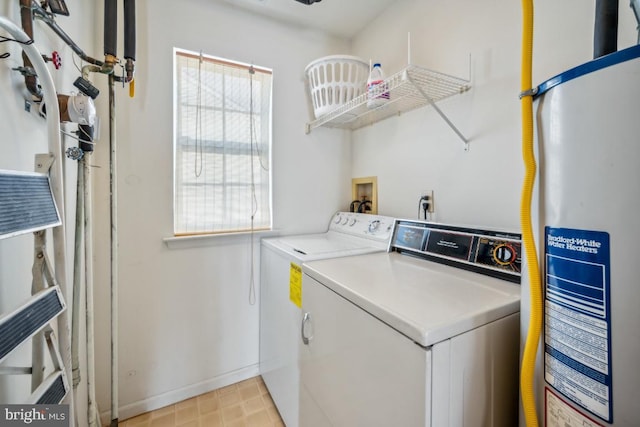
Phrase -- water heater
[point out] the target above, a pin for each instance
(586, 202)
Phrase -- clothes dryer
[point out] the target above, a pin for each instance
(425, 335)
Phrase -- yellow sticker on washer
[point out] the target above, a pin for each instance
(295, 284)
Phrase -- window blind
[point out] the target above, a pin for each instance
(222, 145)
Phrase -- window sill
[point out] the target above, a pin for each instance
(203, 240)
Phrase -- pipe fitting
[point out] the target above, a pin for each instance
(129, 67)
(110, 62)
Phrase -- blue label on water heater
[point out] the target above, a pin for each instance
(578, 318)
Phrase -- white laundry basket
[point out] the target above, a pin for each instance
(335, 80)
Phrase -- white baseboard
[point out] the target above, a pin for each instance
(175, 396)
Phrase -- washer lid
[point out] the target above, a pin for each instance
(324, 245)
(426, 301)
(327, 243)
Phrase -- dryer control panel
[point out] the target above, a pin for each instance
(491, 252)
(376, 227)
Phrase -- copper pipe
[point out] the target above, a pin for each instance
(30, 78)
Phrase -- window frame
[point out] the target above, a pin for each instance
(251, 153)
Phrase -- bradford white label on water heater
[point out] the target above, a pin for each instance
(577, 318)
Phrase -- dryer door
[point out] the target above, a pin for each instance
(355, 370)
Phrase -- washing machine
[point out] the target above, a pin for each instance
(426, 334)
(281, 263)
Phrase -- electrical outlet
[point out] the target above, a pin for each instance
(428, 197)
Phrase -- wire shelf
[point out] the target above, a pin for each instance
(411, 88)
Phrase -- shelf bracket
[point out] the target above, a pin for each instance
(439, 111)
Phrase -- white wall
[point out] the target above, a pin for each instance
(186, 323)
(479, 40)
(23, 136)
(418, 151)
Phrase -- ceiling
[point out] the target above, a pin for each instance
(343, 18)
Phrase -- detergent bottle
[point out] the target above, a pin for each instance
(377, 88)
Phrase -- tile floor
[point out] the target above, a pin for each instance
(244, 404)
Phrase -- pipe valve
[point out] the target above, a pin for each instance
(55, 59)
(75, 153)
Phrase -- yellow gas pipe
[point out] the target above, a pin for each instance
(527, 373)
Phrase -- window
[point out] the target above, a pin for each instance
(222, 145)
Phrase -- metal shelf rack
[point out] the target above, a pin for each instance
(411, 88)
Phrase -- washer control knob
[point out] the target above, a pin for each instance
(345, 221)
(504, 254)
(374, 225)
(353, 222)
(337, 219)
